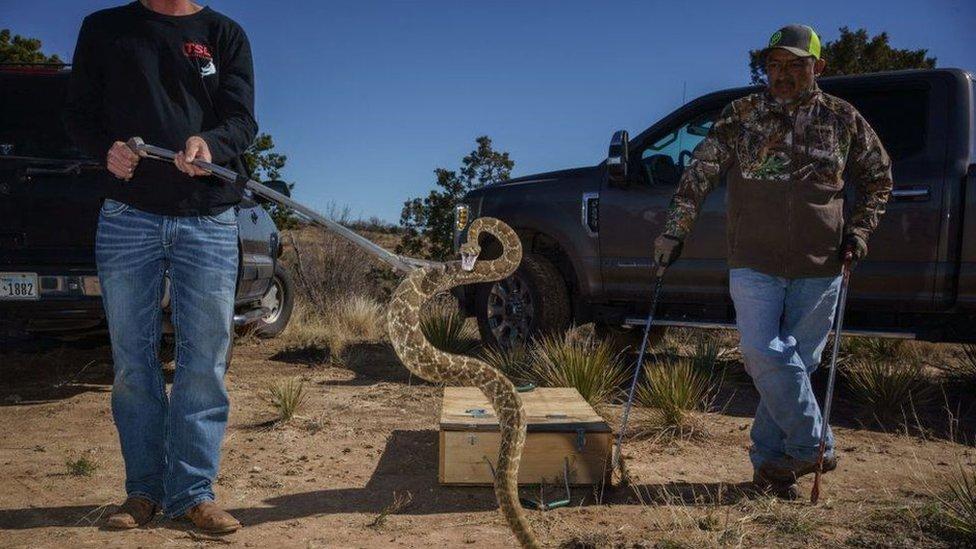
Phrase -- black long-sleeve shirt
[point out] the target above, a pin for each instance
(164, 78)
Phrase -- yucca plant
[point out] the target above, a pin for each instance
(959, 503)
(589, 365)
(446, 328)
(675, 390)
(704, 359)
(287, 396)
(512, 361)
(887, 388)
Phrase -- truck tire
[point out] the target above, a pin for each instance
(280, 299)
(530, 302)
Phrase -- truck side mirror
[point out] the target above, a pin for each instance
(618, 157)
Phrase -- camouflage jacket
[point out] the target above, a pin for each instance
(784, 168)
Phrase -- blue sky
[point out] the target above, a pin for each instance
(366, 98)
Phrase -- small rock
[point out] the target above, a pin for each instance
(256, 469)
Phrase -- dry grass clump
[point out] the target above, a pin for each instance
(568, 360)
(362, 318)
(287, 396)
(400, 501)
(327, 333)
(887, 389)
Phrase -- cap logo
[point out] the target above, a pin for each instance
(775, 38)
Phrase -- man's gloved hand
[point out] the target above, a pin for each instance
(855, 245)
(667, 248)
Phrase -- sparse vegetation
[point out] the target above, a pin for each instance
(287, 397)
(589, 365)
(83, 466)
(887, 389)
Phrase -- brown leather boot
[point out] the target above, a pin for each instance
(135, 512)
(210, 518)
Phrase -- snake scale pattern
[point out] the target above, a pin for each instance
(436, 366)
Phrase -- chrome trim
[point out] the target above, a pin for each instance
(911, 192)
(585, 211)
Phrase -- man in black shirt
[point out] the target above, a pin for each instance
(179, 76)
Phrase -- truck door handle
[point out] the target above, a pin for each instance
(911, 193)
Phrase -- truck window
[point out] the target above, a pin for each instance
(903, 134)
(663, 160)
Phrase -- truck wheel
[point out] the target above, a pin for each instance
(533, 300)
(279, 300)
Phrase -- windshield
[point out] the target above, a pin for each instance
(30, 117)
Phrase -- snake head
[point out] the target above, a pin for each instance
(469, 255)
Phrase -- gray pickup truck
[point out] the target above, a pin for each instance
(587, 232)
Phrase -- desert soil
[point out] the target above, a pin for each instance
(368, 435)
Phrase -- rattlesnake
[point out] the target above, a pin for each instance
(427, 362)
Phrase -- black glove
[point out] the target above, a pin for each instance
(667, 248)
(854, 245)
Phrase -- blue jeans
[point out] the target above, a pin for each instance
(783, 326)
(171, 446)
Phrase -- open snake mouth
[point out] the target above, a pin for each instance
(467, 261)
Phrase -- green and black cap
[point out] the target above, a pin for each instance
(799, 40)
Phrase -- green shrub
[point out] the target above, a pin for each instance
(81, 467)
(446, 328)
(589, 365)
(288, 396)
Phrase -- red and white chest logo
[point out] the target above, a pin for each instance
(202, 53)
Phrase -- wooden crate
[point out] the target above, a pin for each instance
(561, 426)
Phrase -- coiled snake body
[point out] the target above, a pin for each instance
(427, 362)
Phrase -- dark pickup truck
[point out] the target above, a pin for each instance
(49, 203)
(588, 232)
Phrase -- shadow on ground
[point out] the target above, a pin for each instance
(408, 464)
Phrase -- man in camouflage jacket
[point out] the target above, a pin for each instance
(784, 153)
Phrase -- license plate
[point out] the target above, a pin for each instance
(16, 286)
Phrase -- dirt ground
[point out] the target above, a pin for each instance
(368, 434)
